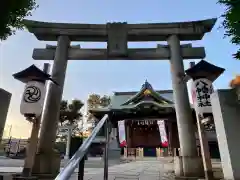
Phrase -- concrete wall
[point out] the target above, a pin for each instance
(226, 112)
(5, 98)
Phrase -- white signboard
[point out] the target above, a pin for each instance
(201, 91)
(64, 130)
(33, 98)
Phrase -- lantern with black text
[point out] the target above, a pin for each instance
(203, 75)
(201, 91)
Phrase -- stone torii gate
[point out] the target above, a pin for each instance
(117, 36)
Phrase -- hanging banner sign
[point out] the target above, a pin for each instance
(201, 91)
(122, 133)
(163, 134)
(33, 98)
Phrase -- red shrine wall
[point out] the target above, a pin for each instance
(149, 136)
(145, 137)
(173, 135)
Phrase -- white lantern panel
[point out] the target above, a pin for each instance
(33, 98)
(201, 91)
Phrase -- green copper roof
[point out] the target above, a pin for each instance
(123, 100)
(145, 102)
(147, 92)
(133, 106)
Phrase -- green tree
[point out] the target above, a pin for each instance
(97, 101)
(63, 110)
(105, 101)
(70, 114)
(12, 13)
(231, 22)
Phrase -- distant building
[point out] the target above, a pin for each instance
(14, 145)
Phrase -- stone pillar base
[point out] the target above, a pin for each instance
(47, 164)
(188, 167)
(178, 166)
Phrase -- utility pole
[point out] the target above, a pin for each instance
(10, 131)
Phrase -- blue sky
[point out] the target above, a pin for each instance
(103, 77)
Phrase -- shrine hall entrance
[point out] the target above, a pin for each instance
(142, 119)
(143, 134)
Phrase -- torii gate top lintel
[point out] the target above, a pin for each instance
(186, 31)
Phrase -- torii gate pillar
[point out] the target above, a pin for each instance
(47, 160)
(192, 164)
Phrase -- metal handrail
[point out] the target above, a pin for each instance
(72, 164)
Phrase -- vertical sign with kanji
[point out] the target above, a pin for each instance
(201, 91)
(122, 133)
(163, 134)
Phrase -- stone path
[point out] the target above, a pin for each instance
(19, 170)
(139, 170)
(147, 169)
(95, 162)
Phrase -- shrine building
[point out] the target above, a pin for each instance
(147, 120)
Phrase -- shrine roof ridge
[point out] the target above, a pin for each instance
(191, 30)
(135, 92)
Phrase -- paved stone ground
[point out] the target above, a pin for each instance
(146, 169)
(90, 163)
(138, 170)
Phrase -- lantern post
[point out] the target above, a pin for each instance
(203, 75)
(31, 107)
